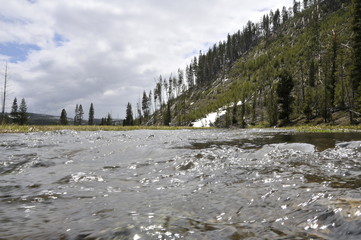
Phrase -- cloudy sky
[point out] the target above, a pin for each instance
(66, 52)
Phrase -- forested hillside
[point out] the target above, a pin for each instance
(297, 65)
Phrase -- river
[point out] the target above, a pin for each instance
(181, 184)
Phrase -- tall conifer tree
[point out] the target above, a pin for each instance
(285, 99)
(109, 120)
(91, 115)
(63, 118)
(167, 118)
(14, 114)
(356, 69)
(76, 115)
(145, 106)
(128, 116)
(23, 114)
(80, 113)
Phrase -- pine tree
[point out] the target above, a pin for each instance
(158, 92)
(296, 7)
(307, 109)
(128, 116)
(76, 116)
(23, 115)
(266, 26)
(284, 14)
(140, 115)
(276, 20)
(63, 118)
(254, 105)
(332, 84)
(190, 76)
(180, 81)
(14, 114)
(80, 114)
(227, 119)
(195, 69)
(165, 89)
(109, 120)
(305, 4)
(285, 99)
(167, 117)
(145, 106)
(234, 114)
(312, 74)
(356, 68)
(340, 95)
(150, 105)
(325, 102)
(91, 115)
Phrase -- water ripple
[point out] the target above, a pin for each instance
(201, 184)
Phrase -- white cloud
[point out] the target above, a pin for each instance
(108, 52)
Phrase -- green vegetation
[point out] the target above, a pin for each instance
(356, 64)
(325, 129)
(63, 117)
(298, 67)
(129, 116)
(284, 89)
(78, 115)
(91, 115)
(11, 128)
(18, 114)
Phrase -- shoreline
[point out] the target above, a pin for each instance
(45, 128)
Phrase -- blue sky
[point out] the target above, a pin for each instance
(17, 52)
(66, 52)
(59, 40)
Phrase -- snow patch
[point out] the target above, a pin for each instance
(211, 118)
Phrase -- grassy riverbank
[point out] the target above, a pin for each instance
(44, 128)
(325, 128)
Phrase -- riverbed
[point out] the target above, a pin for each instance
(180, 184)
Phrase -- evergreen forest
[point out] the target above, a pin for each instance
(297, 65)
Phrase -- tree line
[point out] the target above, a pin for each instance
(79, 117)
(18, 114)
(79, 114)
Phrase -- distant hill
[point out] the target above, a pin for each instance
(43, 119)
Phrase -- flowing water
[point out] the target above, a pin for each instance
(184, 184)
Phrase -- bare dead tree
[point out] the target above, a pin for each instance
(4, 93)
